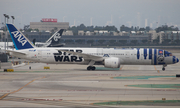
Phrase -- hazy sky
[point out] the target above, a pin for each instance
(100, 12)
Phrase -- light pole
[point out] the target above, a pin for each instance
(13, 23)
(7, 18)
(12, 19)
(5, 31)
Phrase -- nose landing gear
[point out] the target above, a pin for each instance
(163, 68)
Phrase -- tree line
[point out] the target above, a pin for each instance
(121, 42)
(75, 29)
(84, 28)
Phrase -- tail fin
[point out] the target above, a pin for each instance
(55, 38)
(19, 40)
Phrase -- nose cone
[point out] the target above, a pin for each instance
(175, 59)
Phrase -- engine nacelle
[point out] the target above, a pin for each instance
(112, 62)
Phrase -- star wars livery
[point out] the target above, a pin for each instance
(109, 57)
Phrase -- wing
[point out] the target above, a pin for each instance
(85, 56)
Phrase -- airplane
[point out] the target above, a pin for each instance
(53, 41)
(109, 57)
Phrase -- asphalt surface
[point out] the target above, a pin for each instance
(73, 86)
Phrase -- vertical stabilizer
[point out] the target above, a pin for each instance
(55, 38)
(19, 40)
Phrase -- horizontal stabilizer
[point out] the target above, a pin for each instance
(16, 52)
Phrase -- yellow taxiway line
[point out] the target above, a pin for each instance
(3, 96)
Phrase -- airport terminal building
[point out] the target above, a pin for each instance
(48, 24)
(42, 37)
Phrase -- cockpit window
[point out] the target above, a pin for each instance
(166, 53)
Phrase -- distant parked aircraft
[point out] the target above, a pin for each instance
(53, 41)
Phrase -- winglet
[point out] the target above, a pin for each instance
(19, 40)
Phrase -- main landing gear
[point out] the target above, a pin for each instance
(163, 68)
(91, 68)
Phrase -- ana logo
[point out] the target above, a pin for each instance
(57, 36)
(33, 50)
(20, 37)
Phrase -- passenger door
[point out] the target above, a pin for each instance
(39, 55)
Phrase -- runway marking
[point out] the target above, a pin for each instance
(173, 86)
(5, 90)
(141, 102)
(167, 90)
(143, 77)
(108, 74)
(156, 69)
(59, 81)
(85, 90)
(121, 67)
(41, 99)
(5, 95)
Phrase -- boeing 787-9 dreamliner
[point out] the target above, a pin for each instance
(109, 57)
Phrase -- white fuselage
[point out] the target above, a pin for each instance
(109, 57)
(134, 56)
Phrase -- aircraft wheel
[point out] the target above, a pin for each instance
(163, 69)
(93, 68)
(89, 68)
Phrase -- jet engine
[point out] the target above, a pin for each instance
(112, 62)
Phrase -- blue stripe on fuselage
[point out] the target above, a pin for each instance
(138, 53)
(150, 53)
(145, 53)
(154, 56)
